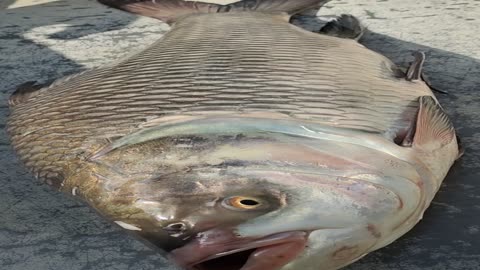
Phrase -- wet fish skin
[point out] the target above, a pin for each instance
(299, 80)
(244, 105)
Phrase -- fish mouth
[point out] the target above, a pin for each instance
(223, 250)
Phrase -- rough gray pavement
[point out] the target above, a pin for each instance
(42, 40)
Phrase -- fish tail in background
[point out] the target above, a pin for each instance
(170, 10)
(345, 26)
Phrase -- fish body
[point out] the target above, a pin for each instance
(239, 131)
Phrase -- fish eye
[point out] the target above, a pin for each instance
(241, 203)
(176, 227)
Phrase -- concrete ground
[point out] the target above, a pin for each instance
(44, 39)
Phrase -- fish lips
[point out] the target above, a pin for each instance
(240, 253)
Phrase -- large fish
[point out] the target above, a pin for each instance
(240, 141)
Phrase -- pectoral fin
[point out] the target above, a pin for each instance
(432, 129)
(414, 72)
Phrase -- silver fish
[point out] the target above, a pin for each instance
(240, 141)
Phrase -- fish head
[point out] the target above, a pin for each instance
(178, 211)
(315, 220)
(265, 219)
(257, 200)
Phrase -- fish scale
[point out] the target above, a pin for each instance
(230, 62)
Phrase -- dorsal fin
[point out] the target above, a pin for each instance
(24, 92)
(433, 128)
(170, 10)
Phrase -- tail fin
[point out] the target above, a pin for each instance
(170, 10)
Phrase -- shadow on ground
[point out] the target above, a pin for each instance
(43, 229)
